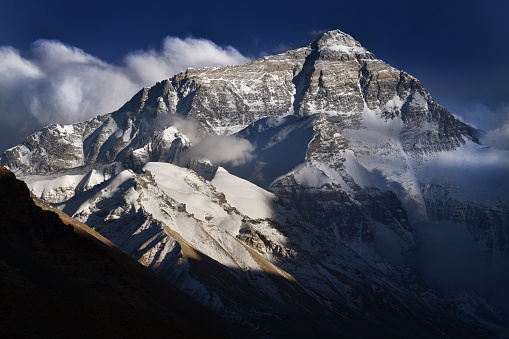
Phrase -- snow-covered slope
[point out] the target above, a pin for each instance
(60, 278)
(303, 177)
(183, 226)
(151, 215)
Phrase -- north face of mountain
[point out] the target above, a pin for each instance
(334, 75)
(236, 249)
(300, 178)
(387, 117)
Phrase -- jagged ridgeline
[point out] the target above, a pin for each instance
(284, 194)
(334, 76)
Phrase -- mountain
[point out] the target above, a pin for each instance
(294, 194)
(61, 278)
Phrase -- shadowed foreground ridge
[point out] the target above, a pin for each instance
(58, 280)
(67, 280)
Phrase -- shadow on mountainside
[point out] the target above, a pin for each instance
(76, 283)
(59, 280)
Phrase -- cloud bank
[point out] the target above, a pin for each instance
(473, 172)
(177, 55)
(58, 83)
(221, 150)
(499, 137)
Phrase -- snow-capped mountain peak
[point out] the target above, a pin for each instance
(301, 178)
(338, 41)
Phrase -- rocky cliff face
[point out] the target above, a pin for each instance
(334, 152)
(488, 223)
(335, 76)
(390, 121)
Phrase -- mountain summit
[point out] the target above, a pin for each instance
(287, 194)
(340, 42)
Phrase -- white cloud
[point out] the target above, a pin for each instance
(49, 52)
(13, 66)
(58, 83)
(221, 150)
(74, 85)
(473, 172)
(188, 125)
(478, 114)
(177, 55)
(499, 137)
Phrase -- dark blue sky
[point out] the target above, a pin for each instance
(458, 49)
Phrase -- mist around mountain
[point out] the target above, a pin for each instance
(55, 82)
(319, 191)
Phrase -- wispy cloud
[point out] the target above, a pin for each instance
(499, 137)
(58, 83)
(472, 172)
(221, 150)
(479, 114)
(316, 33)
(175, 55)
